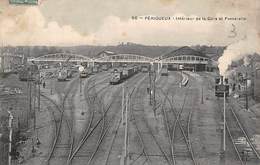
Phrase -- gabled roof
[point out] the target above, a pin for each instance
(184, 51)
(107, 52)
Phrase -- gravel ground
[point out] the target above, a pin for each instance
(206, 134)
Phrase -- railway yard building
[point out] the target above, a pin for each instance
(190, 59)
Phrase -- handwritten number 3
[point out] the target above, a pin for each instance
(233, 32)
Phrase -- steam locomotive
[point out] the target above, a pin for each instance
(62, 75)
(118, 75)
(85, 73)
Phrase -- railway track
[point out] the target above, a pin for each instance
(90, 95)
(58, 120)
(167, 121)
(236, 131)
(100, 121)
(150, 146)
(113, 148)
(180, 122)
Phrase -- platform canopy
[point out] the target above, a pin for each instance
(185, 55)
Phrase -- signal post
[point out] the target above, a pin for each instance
(222, 90)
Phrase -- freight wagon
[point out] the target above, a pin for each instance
(164, 71)
(119, 75)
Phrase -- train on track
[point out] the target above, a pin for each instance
(118, 75)
(145, 68)
(221, 86)
(164, 71)
(28, 72)
(96, 69)
(104, 67)
(62, 75)
(86, 72)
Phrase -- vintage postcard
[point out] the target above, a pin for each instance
(139, 82)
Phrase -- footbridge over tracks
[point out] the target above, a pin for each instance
(61, 57)
(103, 58)
(182, 56)
(124, 58)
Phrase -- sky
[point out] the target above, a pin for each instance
(109, 22)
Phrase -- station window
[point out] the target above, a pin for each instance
(197, 58)
(188, 58)
(192, 58)
(179, 58)
(184, 58)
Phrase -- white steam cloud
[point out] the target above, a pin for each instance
(239, 50)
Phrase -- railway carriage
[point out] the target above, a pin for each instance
(145, 69)
(28, 72)
(164, 71)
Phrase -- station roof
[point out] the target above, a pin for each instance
(183, 51)
(107, 52)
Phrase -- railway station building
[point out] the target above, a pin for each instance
(188, 59)
(9, 62)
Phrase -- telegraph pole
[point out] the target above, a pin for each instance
(150, 87)
(202, 98)
(80, 86)
(126, 131)
(154, 100)
(123, 106)
(246, 92)
(39, 107)
(252, 78)
(224, 129)
(152, 78)
(10, 137)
